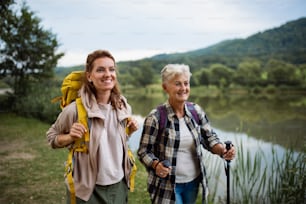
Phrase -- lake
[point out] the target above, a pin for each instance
(274, 121)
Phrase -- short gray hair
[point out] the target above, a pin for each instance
(171, 70)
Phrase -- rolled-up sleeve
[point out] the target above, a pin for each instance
(62, 124)
(209, 136)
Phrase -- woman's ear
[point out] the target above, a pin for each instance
(88, 76)
(164, 87)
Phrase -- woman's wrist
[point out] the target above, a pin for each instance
(56, 141)
(218, 149)
(155, 163)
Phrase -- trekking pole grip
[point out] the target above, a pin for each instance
(228, 145)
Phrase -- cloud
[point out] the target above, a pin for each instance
(137, 28)
(72, 58)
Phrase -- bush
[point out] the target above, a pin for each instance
(37, 104)
(5, 103)
(271, 89)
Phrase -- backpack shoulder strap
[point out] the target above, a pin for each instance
(82, 145)
(163, 115)
(193, 111)
(162, 118)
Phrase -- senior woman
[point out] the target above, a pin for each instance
(171, 152)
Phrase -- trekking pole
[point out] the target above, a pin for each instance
(227, 171)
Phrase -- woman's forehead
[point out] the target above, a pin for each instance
(180, 77)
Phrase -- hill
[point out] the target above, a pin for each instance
(286, 43)
(288, 38)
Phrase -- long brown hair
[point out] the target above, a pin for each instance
(115, 98)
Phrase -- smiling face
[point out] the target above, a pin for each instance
(103, 74)
(177, 88)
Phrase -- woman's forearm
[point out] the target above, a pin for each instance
(218, 149)
(63, 140)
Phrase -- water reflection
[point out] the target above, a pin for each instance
(249, 143)
(277, 120)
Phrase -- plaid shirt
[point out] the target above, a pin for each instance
(153, 147)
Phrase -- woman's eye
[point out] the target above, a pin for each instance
(100, 70)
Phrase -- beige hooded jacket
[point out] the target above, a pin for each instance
(85, 165)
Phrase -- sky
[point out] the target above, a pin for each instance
(135, 29)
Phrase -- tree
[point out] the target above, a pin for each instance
(142, 76)
(221, 75)
(28, 52)
(204, 76)
(248, 73)
(301, 73)
(281, 73)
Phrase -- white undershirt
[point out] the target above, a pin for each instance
(187, 167)
(110, 162)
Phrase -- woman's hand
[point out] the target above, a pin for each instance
(131, 126)
(229, 154)
(77, 131)
(162, 170)
(221, 150)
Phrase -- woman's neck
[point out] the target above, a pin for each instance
(178, 108)
(103, 97)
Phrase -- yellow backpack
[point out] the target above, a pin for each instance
(70, 87)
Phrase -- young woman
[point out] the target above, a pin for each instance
(102, 175)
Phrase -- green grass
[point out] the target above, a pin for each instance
(32, 173)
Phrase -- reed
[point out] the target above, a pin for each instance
(259, 177)
(256, 179)
(288, 183)
(213, 172)
(249, 177)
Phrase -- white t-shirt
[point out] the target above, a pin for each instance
(110, 158)
(187, 166)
